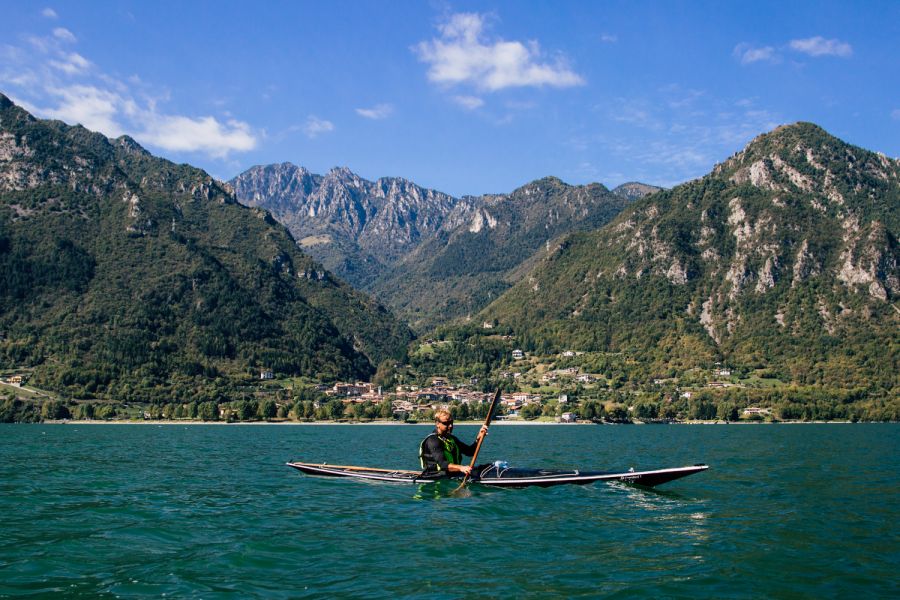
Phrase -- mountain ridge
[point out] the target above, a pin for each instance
(122, 274)
(784, 257)
(398, 240)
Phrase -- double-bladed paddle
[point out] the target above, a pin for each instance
(487, 423)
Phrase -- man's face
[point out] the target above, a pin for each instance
(444, 425)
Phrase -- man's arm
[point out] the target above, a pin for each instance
(469, 449)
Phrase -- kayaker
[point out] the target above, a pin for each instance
(442, 452)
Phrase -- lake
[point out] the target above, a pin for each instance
(211, 511)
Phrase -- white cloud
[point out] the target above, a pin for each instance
(607, 38)
(747, 54)
(61, 33)
(819, 46)
(87, 105)
(71, 63)
(49, 13)
(60, 84)
(379, 111)
(203, 134)
(315, 126)
(462, 56)
(895, 114)
(469, 102)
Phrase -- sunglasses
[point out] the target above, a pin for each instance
(446, 423)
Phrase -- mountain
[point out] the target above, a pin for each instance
(460, 270)
(429, 256)
(357, 228)
(634, 190)
(126, 276)
(784, 259)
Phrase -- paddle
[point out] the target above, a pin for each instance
(487, 423)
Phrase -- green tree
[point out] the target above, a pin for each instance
(208, 411)
(55, 410)
(268, 409)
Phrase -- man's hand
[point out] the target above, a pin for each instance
(483, 432)
(465, 469)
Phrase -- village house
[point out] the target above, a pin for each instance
(524, 399)
(469, 397)
(427, 396)
(266, 374)
(370, 397)
(511, 403)
(402, 406)
(518, 354)
(350, 389)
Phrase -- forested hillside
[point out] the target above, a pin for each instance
(783, 261)
(126, 276)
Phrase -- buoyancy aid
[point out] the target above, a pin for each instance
(451, 451)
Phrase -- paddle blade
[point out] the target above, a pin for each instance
(461, 492)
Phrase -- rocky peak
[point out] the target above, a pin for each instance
(634, 190)
(383, 218)
(795, 204)
(130, 146)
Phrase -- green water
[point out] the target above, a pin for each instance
(787, 511)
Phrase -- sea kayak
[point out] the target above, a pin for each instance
(501, 475)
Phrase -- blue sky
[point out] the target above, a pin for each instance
(463, 97)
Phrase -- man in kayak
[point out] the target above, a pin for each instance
(442, 452)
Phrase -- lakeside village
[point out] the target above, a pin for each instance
(561, 395)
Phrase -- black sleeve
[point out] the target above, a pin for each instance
(433, 453)
(466, 449)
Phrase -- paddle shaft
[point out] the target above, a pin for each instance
(487, 423)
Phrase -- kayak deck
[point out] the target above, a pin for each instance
(503, 476)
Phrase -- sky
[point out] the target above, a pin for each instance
(462, 97)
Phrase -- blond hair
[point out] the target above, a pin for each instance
(441, 413)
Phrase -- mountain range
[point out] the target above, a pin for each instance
(784, 260)
(124, 275)
(429, 256)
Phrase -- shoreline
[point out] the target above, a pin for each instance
(428, 423)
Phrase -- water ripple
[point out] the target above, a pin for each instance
(211, 511)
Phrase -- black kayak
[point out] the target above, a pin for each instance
(501, 475)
